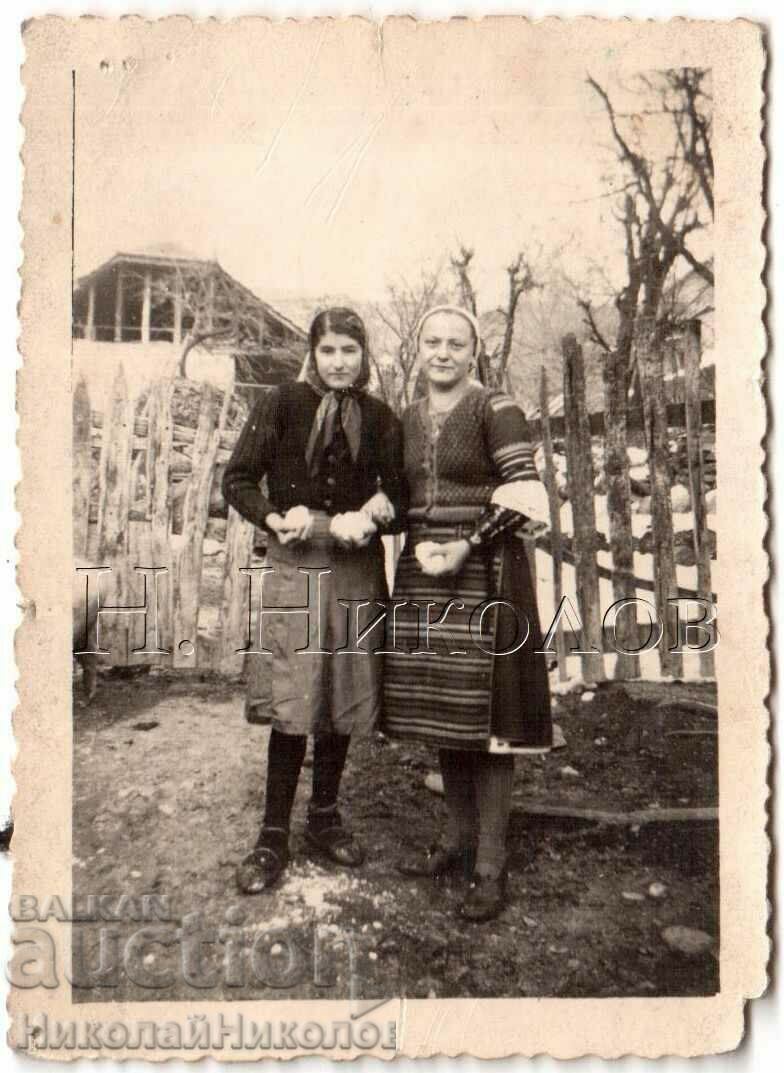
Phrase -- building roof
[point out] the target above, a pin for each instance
(170, 253)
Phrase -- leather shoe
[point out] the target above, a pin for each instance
(261, 869)
(485, 898)
(335, 842)
(437, 863)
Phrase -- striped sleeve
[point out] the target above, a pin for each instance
(513, 457)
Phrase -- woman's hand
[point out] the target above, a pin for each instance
(292, 528)
(440, 560)
(380, 509)
(352, 529)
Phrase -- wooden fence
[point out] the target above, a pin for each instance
(143, 486)
(196, 609)
(596, 633)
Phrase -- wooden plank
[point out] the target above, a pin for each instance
(691, 382)
(676, 418)
(701, 707)
(619, 510)
(82, 469)
(159, 446)
(113, 502)
(556, 535)
(234, 607)
(580, 475)
(651, 368)
(180, 433)
(643, 583)
(195, 515)
(634, 817)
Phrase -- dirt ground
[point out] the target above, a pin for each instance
(168, 787)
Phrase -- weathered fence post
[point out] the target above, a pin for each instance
(556, 539)
(113, 505)
(619, 511)
(651, 369)
(580, 476)
(159, 445)
(235, 610)
(81, 468)
(195, 515)
(188, 557)
(691, 381)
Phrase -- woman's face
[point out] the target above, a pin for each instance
(338, 360)
(446, 349)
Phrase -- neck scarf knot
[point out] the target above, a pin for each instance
(338, 409)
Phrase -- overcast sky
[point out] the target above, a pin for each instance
(321, 163)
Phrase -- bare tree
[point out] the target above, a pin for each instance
(675, 186)
(460, 264)
(520, 280)
(669, 194)
(395, 361)
(686, 96)
(215, 311)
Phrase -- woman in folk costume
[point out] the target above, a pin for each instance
(472, 688)
(332, 457)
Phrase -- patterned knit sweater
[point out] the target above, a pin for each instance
(483, 443)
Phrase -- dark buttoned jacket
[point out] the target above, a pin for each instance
(272, 445)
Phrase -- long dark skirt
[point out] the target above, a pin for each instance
(454, 688)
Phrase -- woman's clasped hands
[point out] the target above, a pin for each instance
(437, 560)
(352, 529)
(293, 527)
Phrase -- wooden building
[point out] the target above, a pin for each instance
(162, 311)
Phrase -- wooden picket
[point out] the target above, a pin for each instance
(113, 507)
(556, 537)
(82, 468)
(651, 368)
(580, 475)
(691, 382)
(188, 556)
(158, 499)
(234, 609)
(619, 510)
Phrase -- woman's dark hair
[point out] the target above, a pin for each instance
(341, 321)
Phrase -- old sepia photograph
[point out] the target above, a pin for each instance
(396, 422)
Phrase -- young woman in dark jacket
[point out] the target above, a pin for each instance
(332, 458)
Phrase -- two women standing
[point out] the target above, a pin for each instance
(327, 448)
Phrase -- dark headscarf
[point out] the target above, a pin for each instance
(338, 408)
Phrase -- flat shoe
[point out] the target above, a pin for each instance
(336, 843)
(260, 870)
(437, 862)
(485, 898)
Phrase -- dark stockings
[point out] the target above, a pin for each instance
(478, 796)
(284, 763)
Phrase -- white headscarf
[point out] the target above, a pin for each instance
(466, 315)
